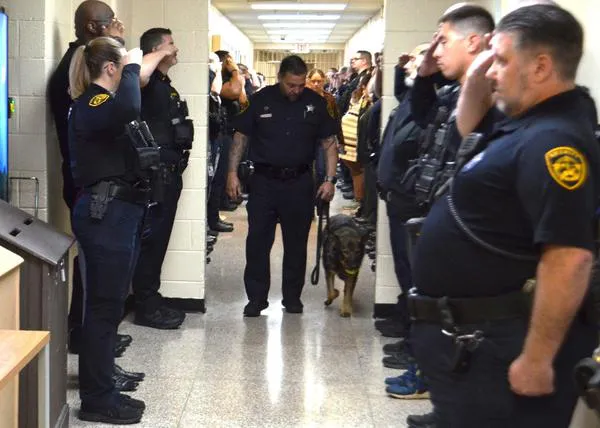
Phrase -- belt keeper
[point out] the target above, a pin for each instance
(446, 316)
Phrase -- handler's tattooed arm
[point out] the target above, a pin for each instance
(237, 150)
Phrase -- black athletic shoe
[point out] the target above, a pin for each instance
(421, 421)
(394, 348)
(120, 414)
(132, 402)
(163, 318)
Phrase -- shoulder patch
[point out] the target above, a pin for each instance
(98, 100)
(567, 166)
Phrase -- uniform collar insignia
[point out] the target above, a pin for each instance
(310, 108)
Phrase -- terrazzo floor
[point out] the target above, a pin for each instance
(220, 369)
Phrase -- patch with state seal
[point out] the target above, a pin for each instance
(567, 166)
(99, 99)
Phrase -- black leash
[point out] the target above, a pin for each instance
(323, 213)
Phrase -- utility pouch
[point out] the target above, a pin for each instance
(148, 157)
(183, 134)
(100, 199)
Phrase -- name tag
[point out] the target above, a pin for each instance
(266, 115)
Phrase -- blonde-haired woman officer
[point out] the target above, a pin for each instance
(107, 215)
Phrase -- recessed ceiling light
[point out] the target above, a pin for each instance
(299, 32)
(298, 17)
(299, 24)
(298, 6)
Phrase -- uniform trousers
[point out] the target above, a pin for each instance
(399, 244)
(108, 252)
(158, 227)
(289, 202)
(481, 397)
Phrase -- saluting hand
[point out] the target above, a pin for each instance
(429, 65)
(326, 191)
(115, 28)
(531, 378)
(134, 56)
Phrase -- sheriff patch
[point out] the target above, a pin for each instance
(99, 99)
(567, 166)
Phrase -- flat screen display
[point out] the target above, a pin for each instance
(3, 106)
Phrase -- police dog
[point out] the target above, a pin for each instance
(343, 252)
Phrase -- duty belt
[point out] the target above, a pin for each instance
(470, 310)
(280, 173)
(123, 192)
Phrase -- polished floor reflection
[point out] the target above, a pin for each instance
(279, 370)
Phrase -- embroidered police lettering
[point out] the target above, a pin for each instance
(98, 100)
(567, 166)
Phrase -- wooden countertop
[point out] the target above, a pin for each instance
(8, 261)
(17, 349)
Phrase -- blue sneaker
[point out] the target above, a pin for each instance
(413, 386)
(402, 379)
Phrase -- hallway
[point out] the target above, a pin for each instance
(278, 370)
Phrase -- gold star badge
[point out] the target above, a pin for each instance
(567, 166)
(99, 99)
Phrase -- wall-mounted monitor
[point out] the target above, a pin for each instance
(3, 105)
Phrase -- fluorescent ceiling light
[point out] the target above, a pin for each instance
(298, 6)
(298, 17)
(299, 24)
(300, 32)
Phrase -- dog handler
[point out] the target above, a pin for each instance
(499, 350)
(281, 127)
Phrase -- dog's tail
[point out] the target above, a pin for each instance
(323, 213)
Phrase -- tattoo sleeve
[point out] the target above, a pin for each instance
(237, 150)
(331, 156)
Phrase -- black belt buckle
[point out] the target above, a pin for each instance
(288, 173)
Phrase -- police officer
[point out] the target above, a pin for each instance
(107, 214)
(283, 123)
(499, 322)
(166, 115)
(93, 18)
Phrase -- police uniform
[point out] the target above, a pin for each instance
(164, 111)
(536, 184)
(106, 219)
(283, 137)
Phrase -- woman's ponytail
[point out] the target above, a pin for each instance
(88, 62)
(79, 73)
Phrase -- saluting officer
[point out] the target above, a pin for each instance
(283, 123)
(498, 348)
(166, 114)
(107, 214)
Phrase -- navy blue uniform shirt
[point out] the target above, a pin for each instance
(96, 124)
(159, 107)
(536, 184)
(285, 133)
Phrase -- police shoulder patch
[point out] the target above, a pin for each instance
(567, 166)
(98, 100)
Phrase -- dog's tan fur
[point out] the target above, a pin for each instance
(343, 251)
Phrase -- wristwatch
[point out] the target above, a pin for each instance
(330, 179)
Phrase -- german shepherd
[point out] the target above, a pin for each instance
(343, 251)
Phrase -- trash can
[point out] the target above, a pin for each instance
(43, 305)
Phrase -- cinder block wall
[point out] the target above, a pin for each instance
(39, 32)
(184, 268)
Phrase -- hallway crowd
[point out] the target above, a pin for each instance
(488, 168)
